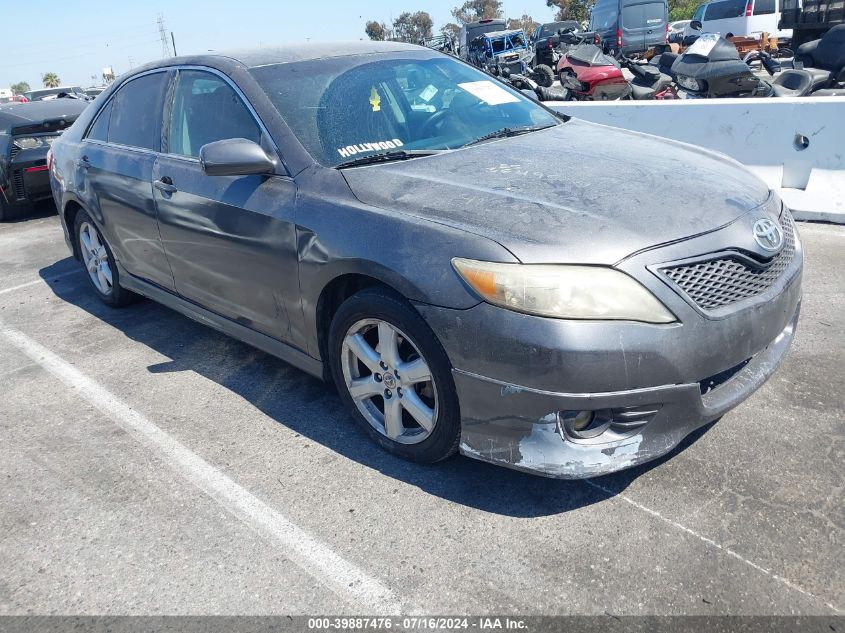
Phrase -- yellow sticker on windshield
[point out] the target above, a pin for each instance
(375, 99)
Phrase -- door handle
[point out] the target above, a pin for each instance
(83, 162)
(165, 185)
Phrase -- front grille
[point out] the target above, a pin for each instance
(18, 184)
(716, 283)
(15, 150)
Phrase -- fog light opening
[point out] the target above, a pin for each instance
(584, 425)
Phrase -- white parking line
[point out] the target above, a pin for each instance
(39, 281)
(711, 542)
(312, 556)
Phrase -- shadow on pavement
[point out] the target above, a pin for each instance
(312, 408)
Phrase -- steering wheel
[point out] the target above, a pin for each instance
(427, 128)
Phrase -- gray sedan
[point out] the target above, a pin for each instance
(475, 272)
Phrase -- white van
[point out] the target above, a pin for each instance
(749, 18)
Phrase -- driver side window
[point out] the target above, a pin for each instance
(207, 109)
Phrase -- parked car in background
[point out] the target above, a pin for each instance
(27, 130)
(466, 283)
(546, 41)
(630, 26)
(749, 18)
(51, 93)
(676, 30)
(95, 91)
(472, 30)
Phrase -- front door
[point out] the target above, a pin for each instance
(230, 240)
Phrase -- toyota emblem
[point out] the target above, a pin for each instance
(768, 234)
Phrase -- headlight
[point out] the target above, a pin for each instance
(563, 291)
(691, 84)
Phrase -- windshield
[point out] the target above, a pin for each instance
(350, 107)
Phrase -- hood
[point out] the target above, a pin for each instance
(577, 192)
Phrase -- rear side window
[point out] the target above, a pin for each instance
(100, 130)
(207, 109)
(699, 12)
(726, 9)
(764, 7)
(137, 111)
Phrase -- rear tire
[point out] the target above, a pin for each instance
(382, 350)
(98, 262)
(543, 75)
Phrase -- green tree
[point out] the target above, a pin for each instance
(20, 87)
(682, 9)
(526, 23)
(571, 9)
(412, 27)
(376, 30)
(475, 10)
(451, 29)
(50, 80)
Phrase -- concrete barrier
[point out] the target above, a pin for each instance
(796, 145)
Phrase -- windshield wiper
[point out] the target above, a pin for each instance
(506, 132)
(385, 157)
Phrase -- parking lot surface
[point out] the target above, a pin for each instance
(151, 465)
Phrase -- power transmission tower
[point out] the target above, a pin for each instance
(165, 41)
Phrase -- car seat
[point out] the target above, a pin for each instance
(354, 109)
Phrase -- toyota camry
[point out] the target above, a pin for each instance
(473, 271)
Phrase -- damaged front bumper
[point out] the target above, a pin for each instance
(521, 428)
(653, 385)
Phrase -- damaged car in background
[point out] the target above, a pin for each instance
(394, 220)
(26, 132)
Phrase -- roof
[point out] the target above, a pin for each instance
(14, 114)
(314, 50)
(502, 33)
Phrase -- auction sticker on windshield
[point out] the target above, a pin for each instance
(488, 92)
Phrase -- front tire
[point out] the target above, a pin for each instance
(98, 260)
(394, 377)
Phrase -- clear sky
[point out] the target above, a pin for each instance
(76, 39)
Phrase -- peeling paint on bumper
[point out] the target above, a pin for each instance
(511, 425)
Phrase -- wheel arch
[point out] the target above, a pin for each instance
(332, 296)
(70, 210)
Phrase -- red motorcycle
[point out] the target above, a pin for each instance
(586, 73)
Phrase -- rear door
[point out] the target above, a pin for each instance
(230, 239)
(116, 163)
(643, 24)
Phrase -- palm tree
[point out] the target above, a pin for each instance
(51, 80)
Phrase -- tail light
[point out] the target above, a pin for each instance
(596, 39)
(618, 38)
(749, 6)
(549, 43)
(666, 37)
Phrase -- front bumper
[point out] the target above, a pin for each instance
(515, 373)
(515, 426)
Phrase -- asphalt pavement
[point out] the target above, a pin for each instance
(150, 465)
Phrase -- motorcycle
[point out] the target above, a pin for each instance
(712, 68)
(588, 74)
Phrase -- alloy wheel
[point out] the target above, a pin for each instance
(95, 257)
(389, 381)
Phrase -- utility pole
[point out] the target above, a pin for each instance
(162, 31)
(173, 39)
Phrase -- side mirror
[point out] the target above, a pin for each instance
(695, 25)
(234, 157)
